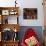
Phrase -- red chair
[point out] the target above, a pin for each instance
(29, 33)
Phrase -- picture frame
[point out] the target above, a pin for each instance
(5, 12)
(30, 13)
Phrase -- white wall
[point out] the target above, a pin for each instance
(26, 4)
(32, 4)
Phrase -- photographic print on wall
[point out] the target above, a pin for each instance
(30, 13)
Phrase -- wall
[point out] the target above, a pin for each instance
(26, 4)
(32, 4)
(45, 22)
(36, 24)
(45, 13)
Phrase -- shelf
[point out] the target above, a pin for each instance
(11, 26)
(10, 41)
(7, 16)
(9, 10)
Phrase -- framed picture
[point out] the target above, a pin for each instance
(30, 13)
(5, 12)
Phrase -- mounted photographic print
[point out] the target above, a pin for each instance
(30, 13)
(5, 12)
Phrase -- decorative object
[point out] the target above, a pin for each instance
(30, 13)
(15, 30)
(5, 20)
(7, 34)
(5, 12)
(13, 12)
(15, 36)
(15, 3)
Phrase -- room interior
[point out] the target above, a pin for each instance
(14, 20)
